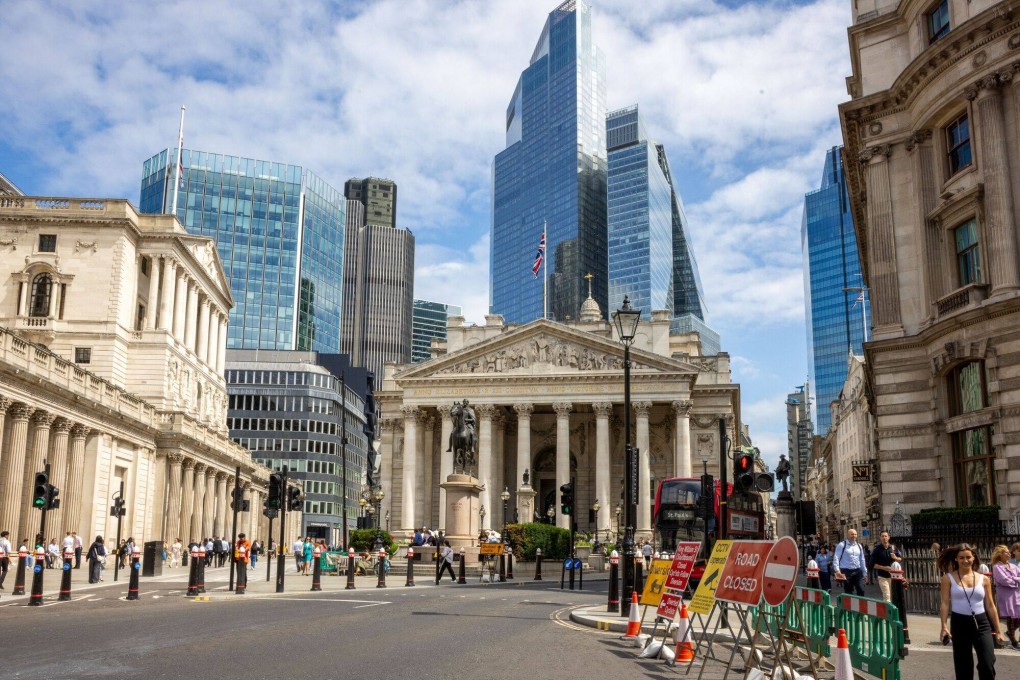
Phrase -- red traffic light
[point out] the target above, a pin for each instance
(745, 462)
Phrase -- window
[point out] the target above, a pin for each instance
(42, 289)
(958, 144)
(83, 355)
(47, 243)
(972, 448)
(938, 21)
(968, 257)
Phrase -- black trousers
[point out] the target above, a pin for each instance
(5, 564)
(446, 567)
(77, 557)
(854, 583)
(972, 632)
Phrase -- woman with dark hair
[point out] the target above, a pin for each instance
(96, 556)
(969, 618)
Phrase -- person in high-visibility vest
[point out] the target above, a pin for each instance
(242, 542)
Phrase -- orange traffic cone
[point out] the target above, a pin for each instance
(844, 669)
(684, 642)
(633, 621)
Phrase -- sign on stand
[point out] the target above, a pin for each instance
(655, 583)
(780, 572)
(741, 578)
(668, 606)
(683, 564)
(704, 596)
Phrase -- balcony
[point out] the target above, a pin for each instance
(968, 297)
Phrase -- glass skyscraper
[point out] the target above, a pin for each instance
(279, 231)
(837, 311)
(428, 322)
(553, 172)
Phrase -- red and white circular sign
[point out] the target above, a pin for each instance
(780, 571)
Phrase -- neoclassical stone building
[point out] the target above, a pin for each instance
(112, 340)
(933, 168)
(549, 399)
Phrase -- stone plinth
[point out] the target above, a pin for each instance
(526, 504)
(462, 521)
(786, 521)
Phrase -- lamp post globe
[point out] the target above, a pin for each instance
(550, 513)
(626, 320)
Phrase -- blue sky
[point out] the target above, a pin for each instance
(742, 94)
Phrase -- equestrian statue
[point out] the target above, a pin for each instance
(462, 438)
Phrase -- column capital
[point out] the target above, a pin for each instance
(641, 408)
(175, 458)
(917, 137)
(200, 468)
(80, 431)
(43, 418)
(388, 424)
(603, 409)
(22, 411)
(246, 485)
(444, 411)
(409, 412)
(562, 408)
(222, 476)
(5, 404)
(422, 416)
(524, 410)
(485, 410)
(879, 151)
(63, 425)
(189, 464)
(683, 407)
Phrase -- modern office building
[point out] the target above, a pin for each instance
(297, 409)
(553, 173)
(834, 294)
(279, 230)
(798, 436)
(428, 323)
(378, 283)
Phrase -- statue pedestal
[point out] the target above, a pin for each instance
(462, 521)
(786, 522)
(526, 504)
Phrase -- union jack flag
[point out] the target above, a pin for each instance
(539, 257)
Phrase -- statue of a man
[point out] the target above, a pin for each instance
(469, 419)
(783, 471)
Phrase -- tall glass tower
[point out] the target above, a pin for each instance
(428, 323)
(837, 303)
(280, 234)
(552, 172)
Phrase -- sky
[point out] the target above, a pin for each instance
(743, 95)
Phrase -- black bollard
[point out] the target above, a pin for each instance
(136, 569)
(19, 574)
(382, 570)
(350, 569)
(193, 574)
(502, 568)
(316, 569)
(509, 564)
(899, 597)
(410, 567)
(460, 572)
(241, 563)
(613, 605)
(65, 578)
(639, 576)
(538, 564)
(571, 570)
(201, 570)
(35, 599)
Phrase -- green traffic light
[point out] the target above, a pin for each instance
(39, 502)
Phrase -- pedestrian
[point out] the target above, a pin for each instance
(30, 557)
(256, 549)
(416, 540)
(824, 560)
(77, 549)
(129, 551)
(969, 618)
(646, 550)
(52, 553)
(96, 558)
(175, 553)
(308, 548)
(67, 543)
(1006, 577)
(5, 563)
(299, 554)
(210, 551)
(883, 557)
(242, 542)
(447, 563)
(1015, 551)
(850, 564)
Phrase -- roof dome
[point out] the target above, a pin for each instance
(590, 311)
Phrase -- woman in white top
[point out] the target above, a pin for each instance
(969, 617)
(175, 553)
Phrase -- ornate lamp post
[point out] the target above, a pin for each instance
(505, 496)
(387, 520)
(362, 502)
(626, 319)
(618, 512)
(550, 513)
(377, 496)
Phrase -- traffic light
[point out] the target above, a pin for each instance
(237, 499)
(567, 498)
(744, 473)
(764, 482)
(706, 501)
(52, 502)
(42, 495)
(118, 509)
(274, 501)
(269, 512)
(294, 498)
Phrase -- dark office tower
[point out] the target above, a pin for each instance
(378, 199)
(279, 231)
(553, 172)
(428, 323)
(837, 313)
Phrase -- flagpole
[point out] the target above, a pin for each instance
(545, 273)
(177, 169)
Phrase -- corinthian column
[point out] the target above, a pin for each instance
(885, 287)
(203, 330)
(58, 475)
(41, 423)
(410, 472)
(563, 410)
(208, 502)
(5, 404)
(191, 318)
(445, 459)
(13, 470)
(188, 500)
(682, 464)
(524, 412)
(644, 518)
(603, 409)
(152, 302)
(173, 497)
(180, 307)
(387, 428)
(76, 479)
(166, 298)
(220, 527)
(198, 504)
(427, 458)
(485, 413)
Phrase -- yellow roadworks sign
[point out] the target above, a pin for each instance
(704, 596)
(655, 582)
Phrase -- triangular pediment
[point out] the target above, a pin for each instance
(542, 347)
(204, 251)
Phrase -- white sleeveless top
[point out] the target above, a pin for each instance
(968, 601)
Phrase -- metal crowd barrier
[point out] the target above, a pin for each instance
(875, 635)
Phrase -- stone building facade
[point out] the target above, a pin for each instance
(112, 340)
(549, 399)
(933, 169)
(853, 449)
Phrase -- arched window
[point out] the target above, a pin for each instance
(973, 469)
(42, 289)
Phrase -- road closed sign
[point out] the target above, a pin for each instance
(780, 571)
(741, 578)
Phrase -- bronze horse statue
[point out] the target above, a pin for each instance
(462, 438)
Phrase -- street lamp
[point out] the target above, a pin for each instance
(550, 513)
(595, 508)
(505, 496)
(618, 512)
(626, 319)
(362, 502)
(378, 496)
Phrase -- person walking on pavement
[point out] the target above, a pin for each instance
(299, 554)
(850, 564)
(175, 553)
(77, 549)
(824, 561)
(5, 563)
(447, 565)
(882, 558)
(647, 552)
(969, 618)
(96, 557)
(1006, 577)
(308, 550)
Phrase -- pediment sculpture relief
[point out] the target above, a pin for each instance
(541, 350)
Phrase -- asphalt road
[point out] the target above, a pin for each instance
(518, 630)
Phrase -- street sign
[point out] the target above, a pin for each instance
(682, 566)
(704, 596)
(668, 606)
(655, 583)
(741, 578)
(780, 572)
(490, 549)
